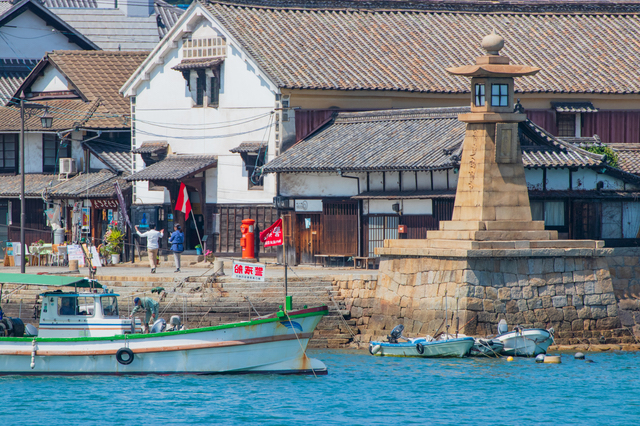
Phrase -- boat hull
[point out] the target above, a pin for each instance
(486, 347)
(435, 349)
(271, 345)
(528, 342)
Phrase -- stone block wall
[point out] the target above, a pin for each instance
(586, 299)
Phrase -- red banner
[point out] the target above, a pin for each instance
(272, 236)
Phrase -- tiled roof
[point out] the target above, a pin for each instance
(175, 167)
(574, 107)
(34, 184)
(12, 74)
(248, 147)
(92, 185)
(193, 64)
(99, 74)
(115, 156)
(411, 139)
(151, 148)
(67, 115)
(406, 45)
(111, 29)
(628, 156)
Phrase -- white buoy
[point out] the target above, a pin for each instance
(375, 349)
(540, 358)
(579, 355)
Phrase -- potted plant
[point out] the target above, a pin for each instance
(209, 256)
(198, 249)
(114, 239)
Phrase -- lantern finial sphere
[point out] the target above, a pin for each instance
(492, 43)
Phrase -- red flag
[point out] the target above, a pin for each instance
(272, 236)
(183, 204)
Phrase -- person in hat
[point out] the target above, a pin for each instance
(152, 244)
(148, 305)
(177, 245)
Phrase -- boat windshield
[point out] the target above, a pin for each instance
(74, 305)
(109, 306)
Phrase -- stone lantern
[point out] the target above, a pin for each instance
(492, 199)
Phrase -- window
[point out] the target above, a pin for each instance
(566, 125)
(109, 306)
(201, 84)
(204, 48)
(382, 228)
(552, 212)
(499, 95)
(86, 306)
(67, 306)
(480, 95)
(253, 163)
(52, 151)
(8, 153)
(214, 91)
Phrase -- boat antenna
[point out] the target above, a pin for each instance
(446, 324)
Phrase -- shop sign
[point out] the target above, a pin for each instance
(104, 204)
(248, 271)
(308, 205)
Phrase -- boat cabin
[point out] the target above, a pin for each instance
(79, 314)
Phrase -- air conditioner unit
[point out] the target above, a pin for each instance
(68, 166)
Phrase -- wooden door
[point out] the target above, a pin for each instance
(308, 237)
(340, 228)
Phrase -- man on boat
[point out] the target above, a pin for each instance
(150, 307)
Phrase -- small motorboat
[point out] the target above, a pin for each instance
(523, 341)
(426, 347)
(486, 347)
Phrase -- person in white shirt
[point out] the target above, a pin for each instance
(152, 244)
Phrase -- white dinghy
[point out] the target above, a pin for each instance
(81, 332)
(426, 347)
(524, 341)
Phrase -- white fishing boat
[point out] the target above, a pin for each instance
(486, 347)
(426, 347)
(524, 341)
(82, 332)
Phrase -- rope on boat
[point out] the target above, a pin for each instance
(253, 307)
(341, 316)
(304, 351)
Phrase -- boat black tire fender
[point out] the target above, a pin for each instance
(124, 356)
(370, 348)
(420, 348)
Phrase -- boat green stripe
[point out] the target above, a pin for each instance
(166, 333)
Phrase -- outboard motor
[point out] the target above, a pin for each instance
(174, 322)
(503, 327)
(159, 326)
(396, 333)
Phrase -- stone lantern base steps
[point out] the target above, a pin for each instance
(202, 301)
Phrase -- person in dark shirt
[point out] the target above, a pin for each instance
(66, 308)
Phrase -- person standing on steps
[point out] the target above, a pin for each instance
(177, 245)
(152, 244)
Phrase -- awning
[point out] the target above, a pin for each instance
(404, 195)
(573, 107)
(176, 167)
(48, 280)
(151, 148)
(196, 64)
(247, 147)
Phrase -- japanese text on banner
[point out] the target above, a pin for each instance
(248, 271)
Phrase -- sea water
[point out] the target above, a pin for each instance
(359, 390)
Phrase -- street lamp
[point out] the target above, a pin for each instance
(46, 121)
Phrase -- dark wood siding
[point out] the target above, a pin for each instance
(231, 216)
(307, 121)
(417, 226)
(442, 210)
(35, 228)
(340, 228)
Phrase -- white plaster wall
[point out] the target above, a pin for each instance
(51, 81)
(453, 179)
(408, 181)
(320, 185)
(95, 163)
(439, 179)
(392, 181)
(375, 181)
(164, 112)
(424, 181)
(587, 179)
(557, 179)
(534, 179)
(32, 152)
(28, 37)
(417, 207)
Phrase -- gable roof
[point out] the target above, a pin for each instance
(111, 29)
(406, 45)
(12, 74)
(175, 167)
(52, 20)
(115, 156)
(411, 140)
